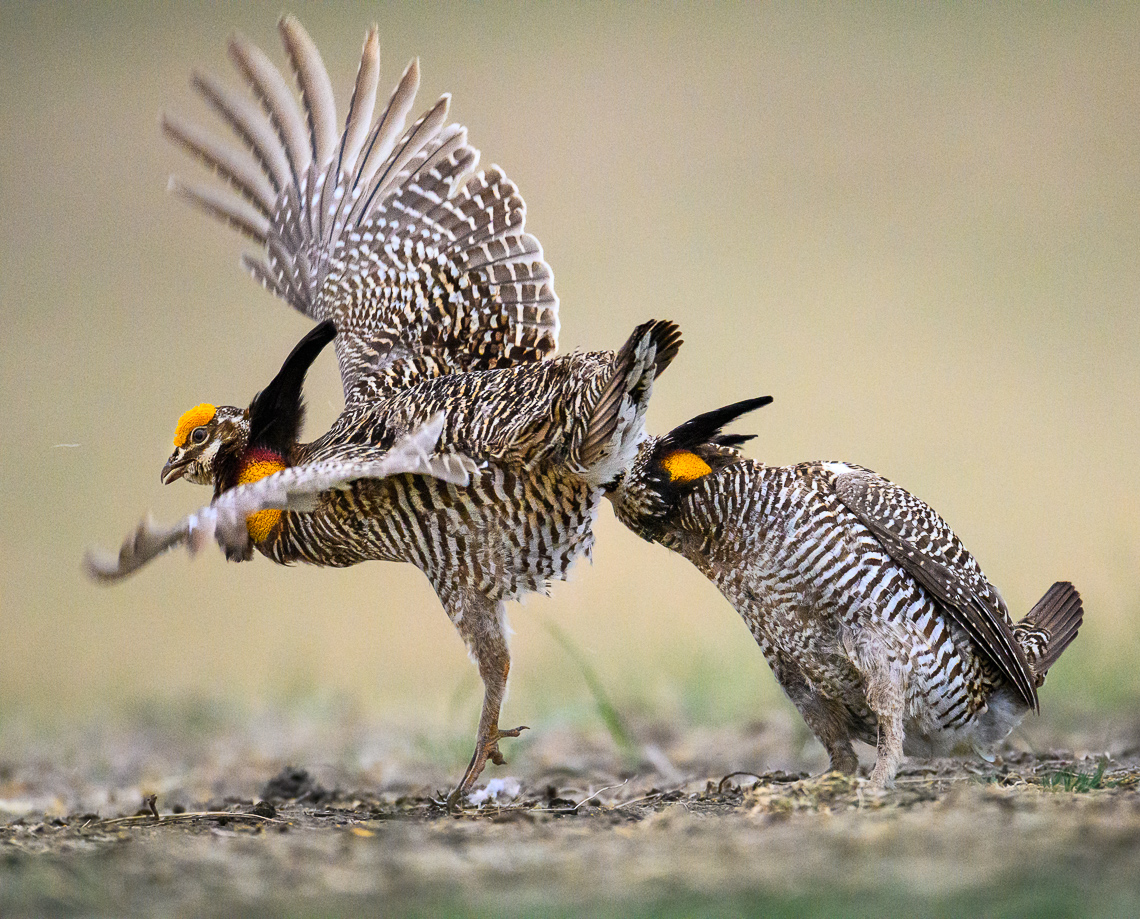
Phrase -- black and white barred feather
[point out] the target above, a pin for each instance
(442, 309)
(424, 266)
(297, 488)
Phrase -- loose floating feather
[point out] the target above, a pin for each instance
(387, 232)
(294, 489)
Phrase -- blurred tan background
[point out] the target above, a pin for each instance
(919, 230)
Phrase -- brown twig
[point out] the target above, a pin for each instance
(159, 819)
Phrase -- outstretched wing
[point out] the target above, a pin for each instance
(424, 266)
(921, 543)
(293, 489)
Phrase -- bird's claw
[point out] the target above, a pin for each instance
(493, 753)
(486, 748)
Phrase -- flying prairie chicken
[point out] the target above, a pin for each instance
(446, 324)
(877, 622)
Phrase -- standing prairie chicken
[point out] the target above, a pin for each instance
(875, 619)
(445, 323)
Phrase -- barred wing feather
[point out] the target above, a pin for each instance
(922, 544)
(424, 266)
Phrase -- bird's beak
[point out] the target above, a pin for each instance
(174, 469)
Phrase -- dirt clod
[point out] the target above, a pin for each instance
(295, 784)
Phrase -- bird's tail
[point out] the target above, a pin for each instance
(1050, 627)
(615, 422)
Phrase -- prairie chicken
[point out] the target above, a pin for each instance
(875, 619)
(446, 324)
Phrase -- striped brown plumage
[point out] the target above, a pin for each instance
(877, 622)
(443, 308)
(424, 266)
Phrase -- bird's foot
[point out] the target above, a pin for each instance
(493, 753)
(486, 748)
(882, 776)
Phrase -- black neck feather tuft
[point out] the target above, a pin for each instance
(277, 412)
(706, 428)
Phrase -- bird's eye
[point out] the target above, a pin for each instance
(198, 436)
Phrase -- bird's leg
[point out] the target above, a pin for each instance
(480, 621)
(829, 727)
(827, 721)
(886, 697)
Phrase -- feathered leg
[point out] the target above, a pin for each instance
(885, 686)
(829, 726)
(886, 697)
(480, 621)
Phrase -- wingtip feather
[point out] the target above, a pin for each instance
(316, 88)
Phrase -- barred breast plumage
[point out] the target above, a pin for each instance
(875, 619)
(527, 513)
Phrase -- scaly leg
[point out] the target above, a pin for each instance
(480, 621)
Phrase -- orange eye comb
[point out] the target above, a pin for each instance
(197, 416)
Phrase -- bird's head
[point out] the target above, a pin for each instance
(205, 438)
(211, 442)
(669, 467)
(644, 495)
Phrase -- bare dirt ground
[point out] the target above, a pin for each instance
(321, 816)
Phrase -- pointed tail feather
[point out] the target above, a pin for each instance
(616, 421)
(1050, 627)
